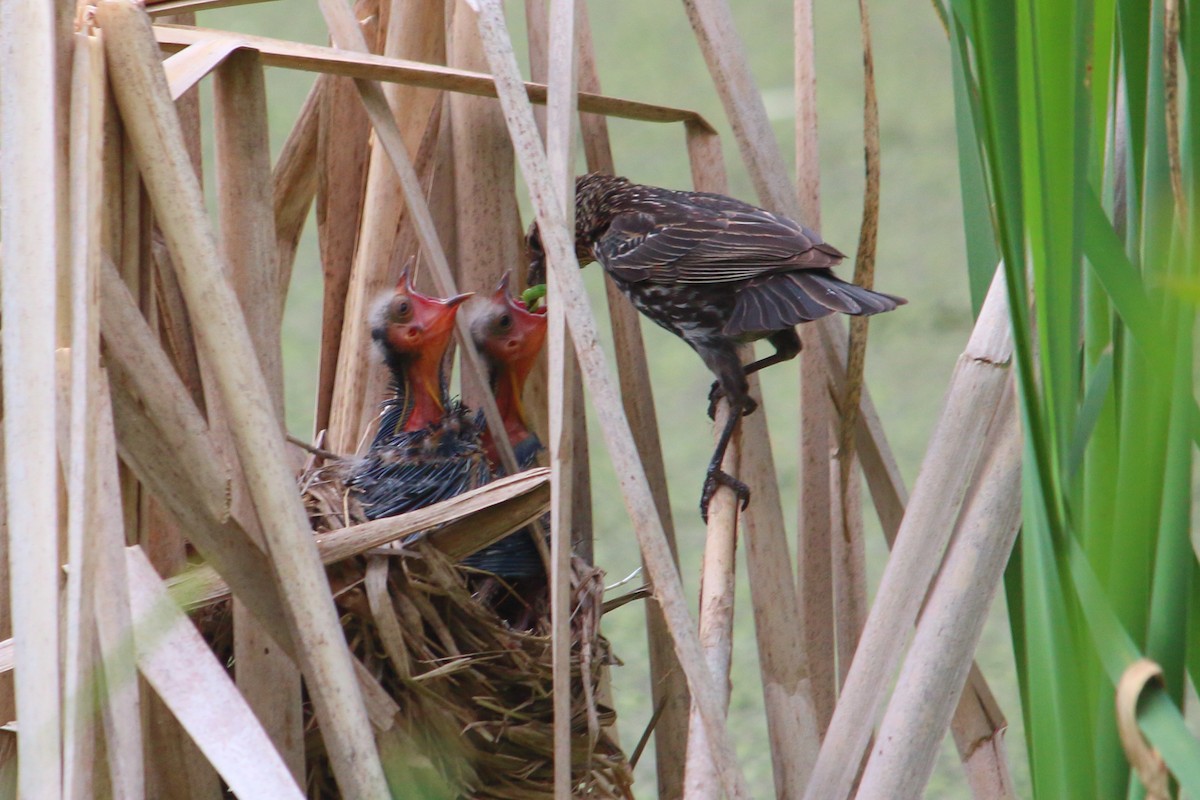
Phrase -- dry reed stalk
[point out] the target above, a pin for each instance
(815, 563)
(342, 151)
(266, 677)
(360, 381)
(364, 66)
(565, 396)
(186, 68)
(83, 516)
(782, 659)
(145, 104)
(294, 183)
(974, 395)
(142, 370)
(183, 671)
(632, 478)
(978, 719)
(948, 631)
(121, 705)
(582, 533)
(457, 527)
(850, 592)
(174, 7)
(668, 686)
(29, 253)
(716, 617)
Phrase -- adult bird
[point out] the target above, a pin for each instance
(428, 448)
(717, 273)
(509, 337)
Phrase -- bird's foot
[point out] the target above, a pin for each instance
(716, 394)
(715, 479)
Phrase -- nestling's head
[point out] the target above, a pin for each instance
(505, 331)
(413, 324)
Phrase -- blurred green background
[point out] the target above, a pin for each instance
(647, 51)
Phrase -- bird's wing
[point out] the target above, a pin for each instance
(709, 240)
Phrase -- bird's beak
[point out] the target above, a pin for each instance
(458, 299)
(502, 287)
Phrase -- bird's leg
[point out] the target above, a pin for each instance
(715, 476)
(722, 358)
(787, 347)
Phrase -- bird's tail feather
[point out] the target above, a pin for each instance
(786, 299)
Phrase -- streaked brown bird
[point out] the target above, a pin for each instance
(717, 273)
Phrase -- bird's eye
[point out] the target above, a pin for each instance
(401, 310)
(505, 322)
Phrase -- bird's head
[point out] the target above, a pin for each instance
(413, 324)
(505, 331)
(591, 216)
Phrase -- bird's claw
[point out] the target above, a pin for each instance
(714, 396)
(715, 479)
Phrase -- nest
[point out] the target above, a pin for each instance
(474, 692)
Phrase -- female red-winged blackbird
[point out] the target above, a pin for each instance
(716, 272)
(428, 448)
(509, 337)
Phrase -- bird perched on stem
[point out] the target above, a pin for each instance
(717, 273)
(428, 448)
(509, 337)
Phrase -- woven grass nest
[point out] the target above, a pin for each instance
(476, 710)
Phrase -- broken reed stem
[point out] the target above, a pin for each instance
(29, 254)
(560, 155)
(190, 65)
(85, 161)
(975, 393)
(121, 704)
(294, 184)
(178, 663)
(716, 616)
(952, 620)
(150, 119)
(560, 247)
(457, 527)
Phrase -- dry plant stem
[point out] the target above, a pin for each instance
(85, 186)
(560, 156)
(266, 677)
(189, 66)
(976, 391)
(457, 527)
(29, 252)
(815, 562)
(783, 663)
(978, 720)
(141, 92)
(716, 617)
(294, 184)
(342, 152)
(364, 66)
(939, 658)
(668, 686)
(635, 489)
(121, 706)
(177, 662)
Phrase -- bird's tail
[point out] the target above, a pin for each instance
(786, 299)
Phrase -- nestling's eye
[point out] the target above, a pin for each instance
(401, 310)
(505, 322)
